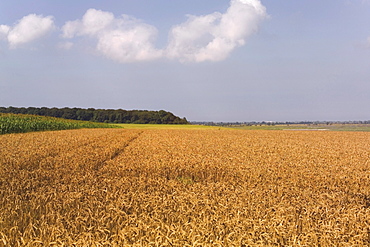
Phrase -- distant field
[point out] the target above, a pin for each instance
(333, 127)
(166, 126)
(184, 187)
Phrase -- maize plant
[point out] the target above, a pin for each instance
(19, 123)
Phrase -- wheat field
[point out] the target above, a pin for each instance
(121, 187)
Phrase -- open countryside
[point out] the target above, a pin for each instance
(185, 187)
(213, 123)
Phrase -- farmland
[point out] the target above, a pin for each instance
(185, 187)
(330, 127)
(167, 126)
(22, 123)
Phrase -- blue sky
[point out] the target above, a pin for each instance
(219, 60)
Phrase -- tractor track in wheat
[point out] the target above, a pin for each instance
(122, 187)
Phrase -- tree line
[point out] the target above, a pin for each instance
(101, 115)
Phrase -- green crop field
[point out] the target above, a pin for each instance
(19, 123)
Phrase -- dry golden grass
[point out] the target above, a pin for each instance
(185, 188)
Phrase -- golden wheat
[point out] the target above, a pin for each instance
(185, 188)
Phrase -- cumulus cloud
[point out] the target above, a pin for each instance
(27, 29)
(4, 30)
(124, 39)
(212, 37)
(92, 23)
(129, 45)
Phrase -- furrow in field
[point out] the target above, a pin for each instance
(185, 188)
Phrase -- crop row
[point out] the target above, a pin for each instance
(115, 187)
(19, 123)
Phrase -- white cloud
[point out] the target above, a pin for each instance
(123, 39)
(212, 37)
(4, 30)
(27, 29)
(201, 38)
(92, 23)
(129, 45)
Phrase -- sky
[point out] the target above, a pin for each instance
(209, 60)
